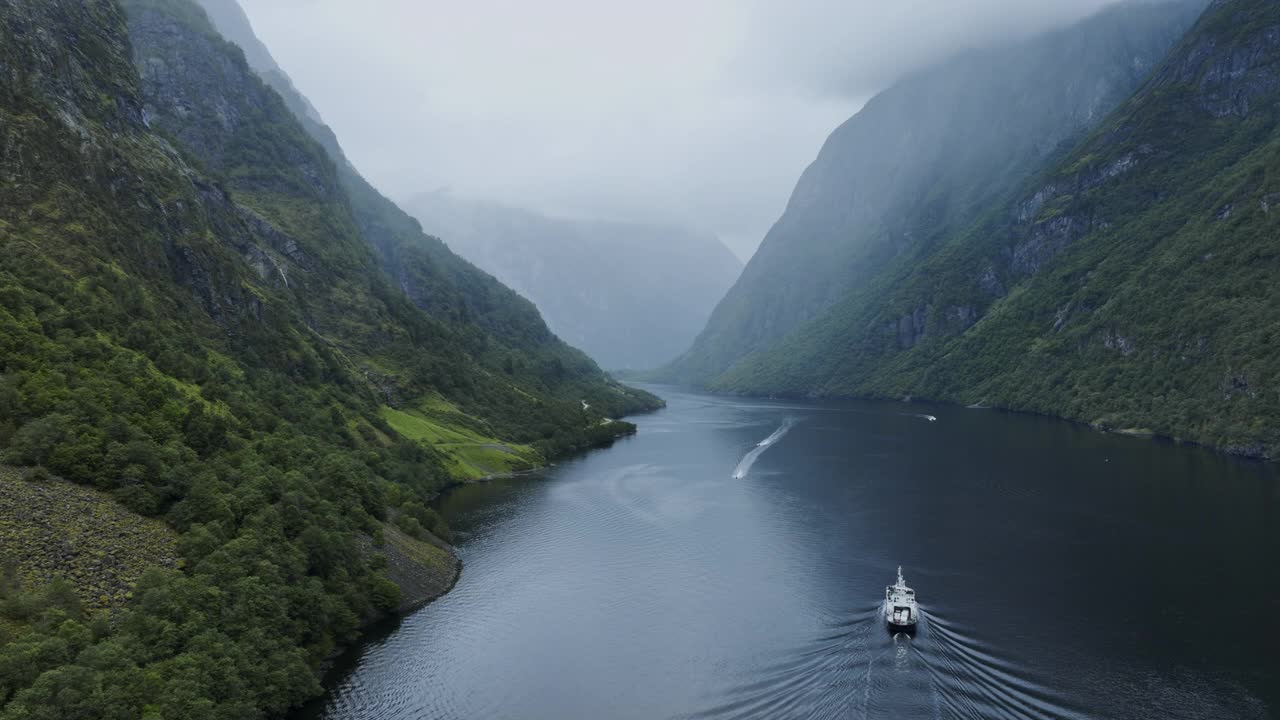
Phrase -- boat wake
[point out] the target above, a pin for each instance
(857, 670)
(973, 680)
(744, 465)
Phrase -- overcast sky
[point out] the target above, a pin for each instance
(696, 112)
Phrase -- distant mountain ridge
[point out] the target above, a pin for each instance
(924, 159)
(632, 296)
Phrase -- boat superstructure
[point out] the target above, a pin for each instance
(900, 608)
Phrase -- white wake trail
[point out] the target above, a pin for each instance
(744, 465)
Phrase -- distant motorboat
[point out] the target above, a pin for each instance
(900, 609)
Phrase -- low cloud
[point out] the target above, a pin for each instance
(698, 113)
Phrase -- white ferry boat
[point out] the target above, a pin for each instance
(900, 608)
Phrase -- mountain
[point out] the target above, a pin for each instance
(1133, 284)
(291, 180)
(433, 277)
(207, 318)
(922, 160)
(632, 296)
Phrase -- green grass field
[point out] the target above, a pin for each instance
(470, 453)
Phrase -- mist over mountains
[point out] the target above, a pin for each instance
(924, 159)
(566, 107)
(632, 296)
(1033, 227)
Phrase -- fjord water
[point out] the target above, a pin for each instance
(694, 572)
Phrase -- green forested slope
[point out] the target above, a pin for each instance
(922, 160)
(192, 320)
(1133, 285)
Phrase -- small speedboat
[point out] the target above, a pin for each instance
(900, 609)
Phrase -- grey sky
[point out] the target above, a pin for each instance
(696, 112)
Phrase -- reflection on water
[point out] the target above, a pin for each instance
(1062, 574)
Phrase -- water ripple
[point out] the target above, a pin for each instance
(645, 582)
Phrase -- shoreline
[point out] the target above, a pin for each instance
(342, 657)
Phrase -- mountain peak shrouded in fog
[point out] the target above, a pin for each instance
(693, 114)
(924, 158)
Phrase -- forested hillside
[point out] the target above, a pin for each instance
(1132, 285)
(921, 161)
(196, 316)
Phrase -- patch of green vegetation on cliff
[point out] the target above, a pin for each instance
(469, 454)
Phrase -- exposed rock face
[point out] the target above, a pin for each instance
(422, 569)
(1230, 83)
(911, 327)
(1113, 340)
(196, 92)
(1045, 240)
(71, 79)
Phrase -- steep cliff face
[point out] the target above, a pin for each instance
(632, 296)
(922, 160)
(1132, 285)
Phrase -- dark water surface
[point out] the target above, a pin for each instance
(691, 573)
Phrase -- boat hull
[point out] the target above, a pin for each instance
(895, 628)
